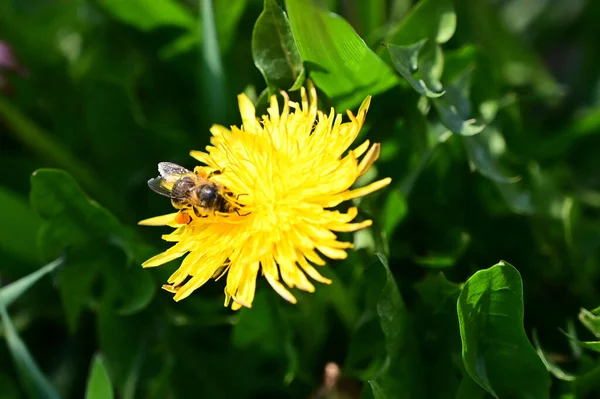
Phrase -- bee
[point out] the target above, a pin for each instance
(189, 190)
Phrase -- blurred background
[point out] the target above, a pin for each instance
(488, 112)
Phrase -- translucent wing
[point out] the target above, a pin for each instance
(156, 184)
(170, 170)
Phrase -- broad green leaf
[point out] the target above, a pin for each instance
(99, 385)
(80, 225)
(19, 226)
(32, 378)
(496, 351)
(273, 48)
(12, 291)
(338, 60)
(75, 281)
(432, 19)
(423, 77)
(137, 290)
(73, 218)
(150, 14)
(401, 375)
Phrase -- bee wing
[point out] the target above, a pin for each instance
(156, 184)
(172, 170)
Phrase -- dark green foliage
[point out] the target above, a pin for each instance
(489, 117)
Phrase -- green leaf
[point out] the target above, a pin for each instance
(550, 365)
(483, 151)
(378, 392)
(99, 385)
(76, 279)
(274, 50)
(73, 218)
(454, 107)
(227, 16)
(436, 290)
(423, 77)
(19, 226)
(496, 352)
(32, 378)
(12, 291)
(82, 226)
(432, 19)
(150, 14)
(590, 320)
(339, 61)
(401, 376)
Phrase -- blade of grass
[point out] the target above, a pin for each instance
(14, 290)
(212, 77)
(32, 378)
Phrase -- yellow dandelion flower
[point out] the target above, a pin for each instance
(287, 170)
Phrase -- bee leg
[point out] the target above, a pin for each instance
(239, 214)
(198, 214)
(214, 173)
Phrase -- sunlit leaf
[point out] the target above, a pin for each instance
(339, 61)
(273, 48)
(590, 320)
(99, 385)
(434, 19)
(150, 14)
(496, 351)
(421, 76)
(454, 107)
